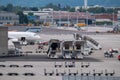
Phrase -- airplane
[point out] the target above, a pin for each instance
(34, 29)
(96, 29)
(23, 36)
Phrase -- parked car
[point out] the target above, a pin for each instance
(118, 57)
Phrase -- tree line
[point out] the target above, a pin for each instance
(11, 8)
(23, 18)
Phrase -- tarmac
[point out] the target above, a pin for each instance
(41, 64)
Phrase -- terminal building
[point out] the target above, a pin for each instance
(3, 41)
(7, 18)
(60, 17)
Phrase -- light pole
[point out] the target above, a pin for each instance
(52, 16)
(59, 18)
(95, 20)
(113, 18)
(68, 18)
(85, 6)
(77, 17)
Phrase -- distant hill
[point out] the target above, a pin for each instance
(41, 3)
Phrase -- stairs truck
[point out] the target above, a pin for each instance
(54, 48)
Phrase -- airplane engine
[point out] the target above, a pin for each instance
(14, 40)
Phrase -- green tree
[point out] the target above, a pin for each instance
(50, 5)
(72, 10)
(109, 10)
(17, 9)
(68, 7)
(59, 6)
(22, 18)
(30, 14)
(9, 8)
(2, 8)
(81, 9)
(34, 8)
(97, 10)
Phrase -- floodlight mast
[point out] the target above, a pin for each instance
(85, 6)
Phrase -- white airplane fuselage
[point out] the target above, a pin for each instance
(29, 36)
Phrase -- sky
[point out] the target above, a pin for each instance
(41, 3)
